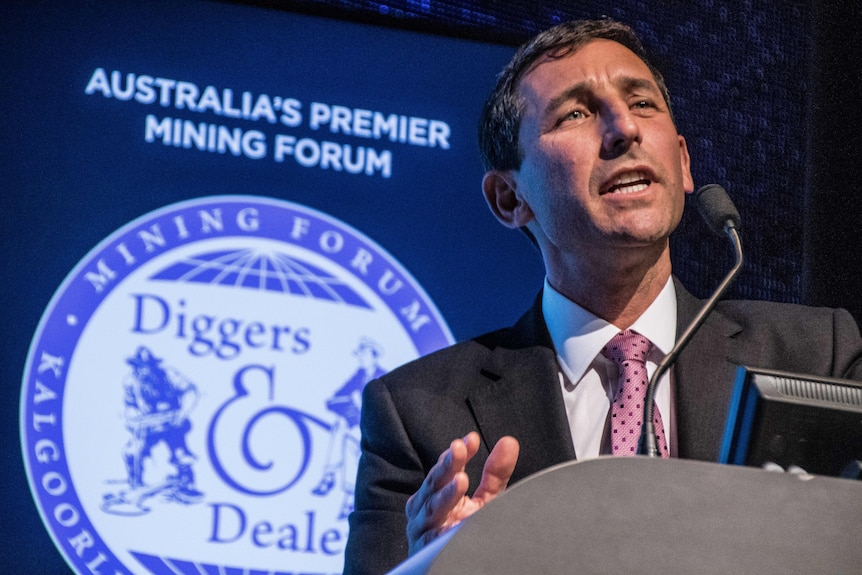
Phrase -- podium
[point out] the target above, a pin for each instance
(656, 516)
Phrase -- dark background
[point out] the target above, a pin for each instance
(767, 94)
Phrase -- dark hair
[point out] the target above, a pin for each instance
(501, 115)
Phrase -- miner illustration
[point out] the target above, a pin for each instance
(158, 401)
(342, 455)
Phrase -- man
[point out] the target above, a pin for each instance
(342, 454)
(158, 401)
(582, 153)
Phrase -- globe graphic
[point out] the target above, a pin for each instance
(261, 270)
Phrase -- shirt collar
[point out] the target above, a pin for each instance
(579, 336)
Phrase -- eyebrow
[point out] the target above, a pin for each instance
(583, 90)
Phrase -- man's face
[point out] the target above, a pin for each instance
(603, 166)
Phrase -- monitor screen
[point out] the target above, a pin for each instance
(788, 419)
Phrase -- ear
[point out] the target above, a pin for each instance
(500, 189)
(685, 163)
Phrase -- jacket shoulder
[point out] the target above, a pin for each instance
(767, 314)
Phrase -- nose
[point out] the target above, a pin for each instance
(621, 130)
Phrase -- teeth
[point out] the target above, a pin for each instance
(631, 177)
(630, 189)
(622, 186)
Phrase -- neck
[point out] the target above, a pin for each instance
(617, 289)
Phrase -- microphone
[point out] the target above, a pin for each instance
(716, 208)
(722, 217)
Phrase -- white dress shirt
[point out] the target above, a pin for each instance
(589, 379)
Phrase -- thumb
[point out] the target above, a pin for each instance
(498, 469)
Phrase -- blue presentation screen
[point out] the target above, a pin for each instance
(113, 111)
(119, 109)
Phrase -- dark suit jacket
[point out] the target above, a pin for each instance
(506, 383)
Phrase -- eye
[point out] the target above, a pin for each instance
(644, 105)
(573, 115)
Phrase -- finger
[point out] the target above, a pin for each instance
(423, 540)
(432, 534)
(450, 462)
(437, 511)
(416, 544)
(498, 469)
(440, 506)
(471, 442)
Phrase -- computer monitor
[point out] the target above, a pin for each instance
(810, 422)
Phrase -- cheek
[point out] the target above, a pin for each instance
(557, 168)
(553, 177)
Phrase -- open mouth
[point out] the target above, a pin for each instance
(630, 183)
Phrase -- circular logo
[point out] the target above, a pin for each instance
(191, 397)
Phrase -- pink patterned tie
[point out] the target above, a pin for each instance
(629, 350)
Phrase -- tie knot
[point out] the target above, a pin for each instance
(627, 345)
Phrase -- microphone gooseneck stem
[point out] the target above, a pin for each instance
(648, 441)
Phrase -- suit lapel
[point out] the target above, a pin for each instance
(704, 375)
(523, 397)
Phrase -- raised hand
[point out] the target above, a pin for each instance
(441, 502)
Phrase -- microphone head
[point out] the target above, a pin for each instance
(717, 208)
